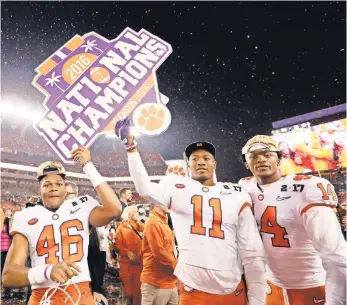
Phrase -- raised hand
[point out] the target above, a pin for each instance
(81, 155)
(122, 130)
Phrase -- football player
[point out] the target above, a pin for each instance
(56, 236)
(216, 232)
(306, 252)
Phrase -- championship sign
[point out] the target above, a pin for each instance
(91, 83)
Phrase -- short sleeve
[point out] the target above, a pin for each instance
(317, 192)
(89, 203)
(246, 183)
(18, 225)
(246, 200)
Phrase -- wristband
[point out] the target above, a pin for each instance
(130, 147)
(39, 274)
(93, 174)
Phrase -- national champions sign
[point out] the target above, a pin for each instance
(91, 83)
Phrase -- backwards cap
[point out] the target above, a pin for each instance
(50, 168)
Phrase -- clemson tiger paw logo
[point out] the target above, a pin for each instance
(176, 170)
(152, 119)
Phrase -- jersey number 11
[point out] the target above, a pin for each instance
(197, 227)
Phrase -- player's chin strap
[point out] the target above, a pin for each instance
(46, 299)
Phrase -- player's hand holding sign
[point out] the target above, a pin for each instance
(64, 271)
(122, 130)
(81, 155)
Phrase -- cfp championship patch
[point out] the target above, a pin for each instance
(91, 83)
(33, 221)
(180, 186)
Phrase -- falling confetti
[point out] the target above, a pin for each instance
(215, 80)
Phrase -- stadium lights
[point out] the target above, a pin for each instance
(21, 112)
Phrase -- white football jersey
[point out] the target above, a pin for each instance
(206, 218)
(213, 225)
(57, 236)
(279, 207)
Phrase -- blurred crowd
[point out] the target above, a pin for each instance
(28, 148)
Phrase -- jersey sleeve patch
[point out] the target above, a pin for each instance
(318, 192)
(19, 224)
(245, 205)
(312, 205)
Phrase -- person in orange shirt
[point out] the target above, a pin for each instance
(129, 245)
(159, 284)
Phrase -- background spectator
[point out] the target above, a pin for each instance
(129, 245)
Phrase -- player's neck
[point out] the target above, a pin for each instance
(208, 182)
(52, 210)
(269, 179)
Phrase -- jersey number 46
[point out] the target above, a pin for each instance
(47, 243)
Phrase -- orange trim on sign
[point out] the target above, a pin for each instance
(246, 204)
(47, 66)
(74, 43)
(311, 205)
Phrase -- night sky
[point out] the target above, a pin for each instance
(235, 68)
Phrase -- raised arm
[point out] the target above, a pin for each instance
(252, 255)
(111, 207)
(156, 193)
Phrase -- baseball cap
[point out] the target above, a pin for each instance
(261, 142)
(50, 168)
(200, 145)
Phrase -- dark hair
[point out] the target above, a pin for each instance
(123, 190)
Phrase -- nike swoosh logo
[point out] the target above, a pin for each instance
(318, 301)
(282, 198)
(73, 212)
(238, 292)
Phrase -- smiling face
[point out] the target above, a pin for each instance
(53, 191)
(264, 165)
(202, 165)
